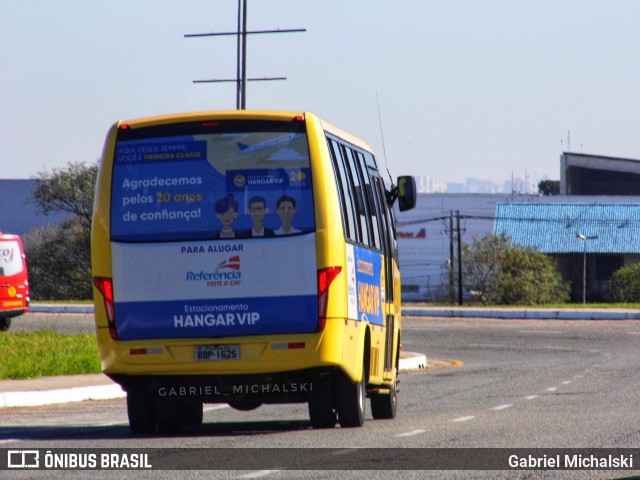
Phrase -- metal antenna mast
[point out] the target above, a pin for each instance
(241, 45)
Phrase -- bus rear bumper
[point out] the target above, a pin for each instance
(281, 387)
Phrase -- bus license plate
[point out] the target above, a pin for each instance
(219, 352)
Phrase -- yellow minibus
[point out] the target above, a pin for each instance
(246, 258)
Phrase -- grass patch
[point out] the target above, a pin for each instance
(45, 353)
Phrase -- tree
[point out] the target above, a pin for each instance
(481, 266)
(59, 262)
(59, 257)
(69, 190)
(624, 285)
(528, 277)
(499, 273)
(549, 187)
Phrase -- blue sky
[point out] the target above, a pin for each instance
(467, 88)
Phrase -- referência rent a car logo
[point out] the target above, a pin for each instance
(226, 274)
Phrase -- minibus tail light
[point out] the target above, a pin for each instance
(325, 277)
(105, 287)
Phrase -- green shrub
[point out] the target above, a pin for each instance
(498, 273)
(528, 277)
(624, 285)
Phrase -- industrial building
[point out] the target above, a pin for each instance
(583, 174)
(599, 196)
(588, 241)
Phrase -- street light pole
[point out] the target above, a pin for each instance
(584, 238)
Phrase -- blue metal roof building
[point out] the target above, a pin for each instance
(554, 228)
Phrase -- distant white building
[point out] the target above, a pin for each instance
(424, 259)
(426, 184)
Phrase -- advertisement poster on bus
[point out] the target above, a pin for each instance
(365, 285)
(214, 289)
(176, 189)
(200, 243)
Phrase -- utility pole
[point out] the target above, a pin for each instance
(451, 261)
(459, 258)
(241, 41)
(241, 57)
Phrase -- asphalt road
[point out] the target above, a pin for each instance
(57, 322)
(519, 384)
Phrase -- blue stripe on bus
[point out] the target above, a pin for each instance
(211, 318)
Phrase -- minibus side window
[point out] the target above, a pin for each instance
(374, 224)
(387, 232)
(344, 191)
(358, 190)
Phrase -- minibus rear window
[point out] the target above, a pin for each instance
(211, 180)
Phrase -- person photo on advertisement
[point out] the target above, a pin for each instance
(226, 211)
(257, 211)
(286, 207)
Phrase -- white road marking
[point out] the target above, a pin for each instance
(502, 407)
(259, 474)
(463, 419)
(209, 408)
(411, 433)
(531, 397)
(112, 424)
(344, 451)
(538, 332)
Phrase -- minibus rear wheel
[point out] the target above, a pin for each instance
(350, 400)
(170, 415)
(385, 406)
(321, 410)
(192, 413)
(140, 412)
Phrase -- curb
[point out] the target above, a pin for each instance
(62, 395)
(60, 308)
(522, 314)
(411, 361)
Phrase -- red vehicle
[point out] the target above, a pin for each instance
(14, 282)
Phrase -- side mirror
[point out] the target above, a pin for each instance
(406, 193)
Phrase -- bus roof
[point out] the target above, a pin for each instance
(246, 114)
